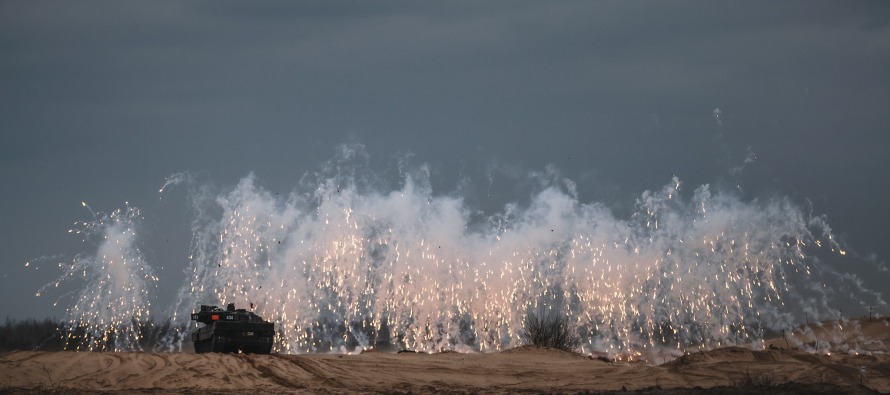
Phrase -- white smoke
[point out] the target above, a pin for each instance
(343, 262)
(750, 157)
(117, 285)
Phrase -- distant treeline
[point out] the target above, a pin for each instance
(50, 335)
(31, 334)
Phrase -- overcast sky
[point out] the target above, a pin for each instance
(101, 101)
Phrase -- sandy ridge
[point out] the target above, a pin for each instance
(521, 370)
(530, 371)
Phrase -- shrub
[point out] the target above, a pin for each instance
(550, 330)
(754, 380)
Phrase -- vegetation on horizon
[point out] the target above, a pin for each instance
(30, 335)
(51, 335)
(754, 380)
(550, 330)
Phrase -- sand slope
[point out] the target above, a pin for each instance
(526, 369)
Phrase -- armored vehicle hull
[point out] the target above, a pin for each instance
(232, 330)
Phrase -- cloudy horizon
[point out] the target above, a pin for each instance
(103, 101)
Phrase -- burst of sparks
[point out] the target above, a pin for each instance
(343, 267)
(115, 296)
(352, 268)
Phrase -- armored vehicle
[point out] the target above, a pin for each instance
(232, 330)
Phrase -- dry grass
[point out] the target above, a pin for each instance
(755, 380)
(550, 330)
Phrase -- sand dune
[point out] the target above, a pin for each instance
(860, 335)
(526, 369)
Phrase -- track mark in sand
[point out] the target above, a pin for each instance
(108, 374)
(284, 380)
(315, 370)
(848, 374)
(25, 356)
(153, 369)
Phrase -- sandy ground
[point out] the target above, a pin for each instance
(522, 370)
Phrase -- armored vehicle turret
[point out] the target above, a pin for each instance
(232, 330)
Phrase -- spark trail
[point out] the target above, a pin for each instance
(341, 263)
(345, 265)
(116, 285)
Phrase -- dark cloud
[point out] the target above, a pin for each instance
(102, 100)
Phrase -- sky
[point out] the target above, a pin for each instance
(102, 101)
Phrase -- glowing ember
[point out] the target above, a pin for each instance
(346, 265)
(115, 298)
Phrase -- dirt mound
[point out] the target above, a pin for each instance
(856, 336)
(530, 349)
(726, 354)
(519, 370)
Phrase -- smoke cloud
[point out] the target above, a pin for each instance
(344, 261)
